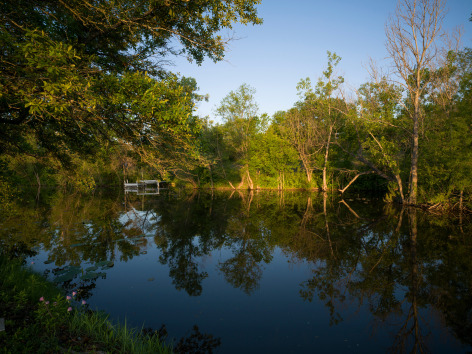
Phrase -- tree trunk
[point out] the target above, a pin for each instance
(211, 176)
(400, 187)
(39, 185)
(124, 174)
(308, 213)
(325, 184)
(325, 167)
(241, 184)
(309, 174)
(249, 180)
(220, 158)
(325, 212)
(38, 181)
(414, 156)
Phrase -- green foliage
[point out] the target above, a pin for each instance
(242, 127)
(85, 101)
(20, 291)
(447, 148)
(52, 315)
(8, 195)
(76, 78)
(40, 318)
(271, 156)
(312, 125)
(238, 105)
(151, 26)
(115, 338)
(239, 112)
(342, 139)
(61, 104)
(326, 85)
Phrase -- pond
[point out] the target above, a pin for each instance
(259, 272)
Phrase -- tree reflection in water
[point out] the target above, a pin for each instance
(399, 262)
(396, 270)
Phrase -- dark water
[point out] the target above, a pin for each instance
(263, 272)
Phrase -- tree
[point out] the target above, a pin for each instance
(239, 112)
(125, 34)
(413, 34)
(272, 156)
(446, 163)
(328, 109)
(375, 134)
(298, 128)
(75, 74)
(311, 124)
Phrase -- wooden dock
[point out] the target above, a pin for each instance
(145, 184)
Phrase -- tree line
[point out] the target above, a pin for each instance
(86, 100)
(329, 141)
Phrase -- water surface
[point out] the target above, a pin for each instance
(260, 272)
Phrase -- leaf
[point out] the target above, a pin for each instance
(107, 267)
(90, 276)
(105, 264)
(68, 276)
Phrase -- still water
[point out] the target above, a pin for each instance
(259, 272)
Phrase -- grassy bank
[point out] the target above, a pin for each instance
(40, 318)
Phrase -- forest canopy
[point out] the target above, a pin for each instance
(79, 74)
(86, 99)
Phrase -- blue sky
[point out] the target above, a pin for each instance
(292, 42)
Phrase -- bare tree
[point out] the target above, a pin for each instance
(414, 35)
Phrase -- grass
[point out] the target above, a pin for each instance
(40, 319)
